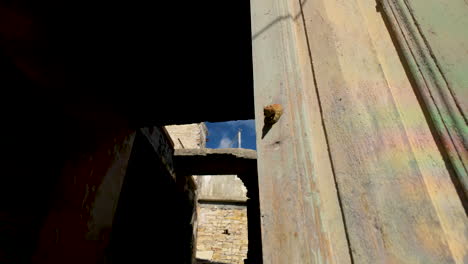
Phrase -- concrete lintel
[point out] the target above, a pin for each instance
(222, 200)
(215, 161)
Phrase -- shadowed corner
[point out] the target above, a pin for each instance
(205, 261)
(266, 127)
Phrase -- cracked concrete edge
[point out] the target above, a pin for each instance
(237, 152)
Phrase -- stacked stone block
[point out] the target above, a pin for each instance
(222, 233)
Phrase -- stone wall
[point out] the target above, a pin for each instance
(190, 136)
(221, 212)
(221, 188)
(222, 233)
(222, 219)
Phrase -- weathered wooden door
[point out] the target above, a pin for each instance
(368, 162)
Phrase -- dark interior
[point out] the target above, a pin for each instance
(151, 225)
(72, 72)
(154, 62)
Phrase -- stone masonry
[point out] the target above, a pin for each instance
(222, 213)
(190, 136)
(222, 233)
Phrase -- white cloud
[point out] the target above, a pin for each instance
(229, 130)
(225, 142)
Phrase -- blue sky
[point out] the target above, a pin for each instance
(222, 134)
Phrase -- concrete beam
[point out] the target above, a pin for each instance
(215, 161)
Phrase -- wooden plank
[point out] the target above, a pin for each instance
(381, 171)
(300, 214)
(436, 176)
(432, 37)
(399, 203)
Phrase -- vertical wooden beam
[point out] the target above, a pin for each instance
(434, 169)
(353, 137)
(384, 182)
(432, 38)
(300, 212)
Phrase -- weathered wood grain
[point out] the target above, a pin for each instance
(429, 160)
(334, 68)
(301, 218)
(433, 39)
(389, 212)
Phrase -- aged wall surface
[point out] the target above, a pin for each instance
(222, 233)
(77, 225)
(190, 136)
(221, 187)
(141, 235)
(222, 223)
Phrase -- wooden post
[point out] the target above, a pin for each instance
(350, 173)
(300, 213)
(432, 38)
